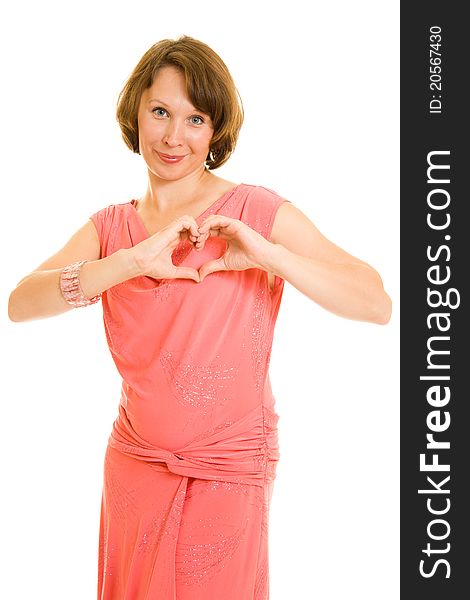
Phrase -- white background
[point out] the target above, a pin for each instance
(319, 83)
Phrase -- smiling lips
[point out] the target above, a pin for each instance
(168, 158)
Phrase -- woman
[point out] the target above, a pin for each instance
(191, 277)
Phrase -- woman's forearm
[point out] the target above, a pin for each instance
(38, 295)
(352, 290)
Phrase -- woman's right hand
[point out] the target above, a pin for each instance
(153, 255)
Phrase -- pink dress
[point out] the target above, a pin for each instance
(191, 458)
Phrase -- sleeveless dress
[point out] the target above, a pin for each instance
(191, 458)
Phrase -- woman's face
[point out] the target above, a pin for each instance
(170, 125)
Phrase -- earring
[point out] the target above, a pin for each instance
(211, 159)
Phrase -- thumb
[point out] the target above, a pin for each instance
(186, 273)
(211, 266)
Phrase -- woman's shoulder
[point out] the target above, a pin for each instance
(111, 211)
(264, 197)
(109, 217)
(222, 186)
(115, 207)
(263, 191)
(260, 207)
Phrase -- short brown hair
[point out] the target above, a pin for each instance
(209, 86)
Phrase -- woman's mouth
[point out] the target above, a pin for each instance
(170, 159)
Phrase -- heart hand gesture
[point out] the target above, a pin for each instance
(153, 255)
(246, 248)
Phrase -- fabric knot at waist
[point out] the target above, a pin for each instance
(243, 451)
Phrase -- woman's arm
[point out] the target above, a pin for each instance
(38, 295)
(334, 279)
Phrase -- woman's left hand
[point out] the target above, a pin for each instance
(246, 248)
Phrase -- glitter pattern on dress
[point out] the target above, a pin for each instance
(209, 432)
(114, 328)
(164, 290)
(212, 541)
(108, 556)
(259, 346)
(254, 496)
(181, 251)
(165, 523)
(198, 386)
(121, 500)
(114, 233)
(198, 563)
(153, 532)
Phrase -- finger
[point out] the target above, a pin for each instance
(199, 245)
(215, 222)
(211, 231)
(211, 266)
(187, 223)
(224, 229)
(187, 273)
(203, 237)
(198, 241)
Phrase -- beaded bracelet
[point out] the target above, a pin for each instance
(70, 286)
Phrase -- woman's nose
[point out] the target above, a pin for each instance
(174, 133)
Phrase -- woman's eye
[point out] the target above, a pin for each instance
(157, 109)
(200, 120)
